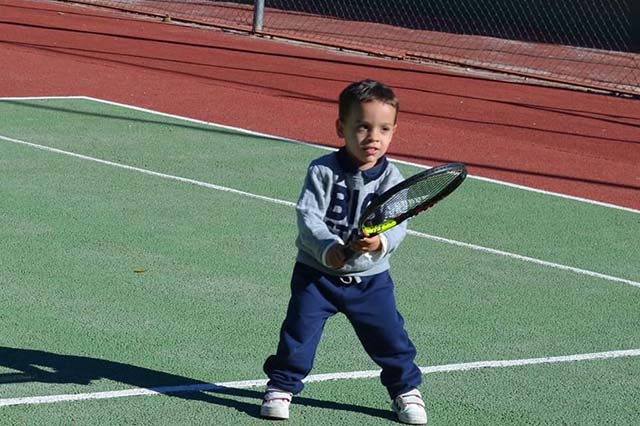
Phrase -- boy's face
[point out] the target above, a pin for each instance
(367, 132)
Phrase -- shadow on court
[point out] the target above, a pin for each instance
(33, 366)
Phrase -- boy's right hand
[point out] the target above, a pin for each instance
(336, 257)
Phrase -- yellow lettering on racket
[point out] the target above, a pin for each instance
(378, 229)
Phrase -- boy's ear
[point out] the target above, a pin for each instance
(339, 128)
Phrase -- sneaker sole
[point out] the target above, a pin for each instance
(413, 420)
(273, 413)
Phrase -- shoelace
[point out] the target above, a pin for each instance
(409, 399)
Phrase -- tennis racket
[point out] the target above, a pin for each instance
(408, 199)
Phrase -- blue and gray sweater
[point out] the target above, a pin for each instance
(334, 195)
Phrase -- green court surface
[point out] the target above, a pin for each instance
(141, 250)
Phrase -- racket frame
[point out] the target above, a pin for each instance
(372, 230)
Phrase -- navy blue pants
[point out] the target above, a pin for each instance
(370, 307)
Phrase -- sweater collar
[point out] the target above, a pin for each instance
(348, 165)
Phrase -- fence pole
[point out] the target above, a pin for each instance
(258, 15)
(635, 27)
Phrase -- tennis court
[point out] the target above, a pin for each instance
(146, 263)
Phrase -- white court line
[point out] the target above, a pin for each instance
(291, 204)
(288, 140)
(448, 368)
(523, 258)
(148, 172)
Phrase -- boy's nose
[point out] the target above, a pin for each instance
(374, 134)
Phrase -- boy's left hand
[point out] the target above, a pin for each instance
(366, 244)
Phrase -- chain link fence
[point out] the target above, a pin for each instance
(590, 43)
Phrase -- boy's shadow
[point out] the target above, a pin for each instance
(47, 367)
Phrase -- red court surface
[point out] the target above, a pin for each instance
(575, 143)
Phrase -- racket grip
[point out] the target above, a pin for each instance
(348, 253)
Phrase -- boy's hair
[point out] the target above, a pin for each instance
(365, 91)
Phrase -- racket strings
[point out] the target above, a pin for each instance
(414, 196)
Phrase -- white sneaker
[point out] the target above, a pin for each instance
(410, 408)
(275, 404)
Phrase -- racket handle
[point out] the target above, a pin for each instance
(347, 250)
(348, 253)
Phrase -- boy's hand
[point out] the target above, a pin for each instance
(367, 244)
(335, 257)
